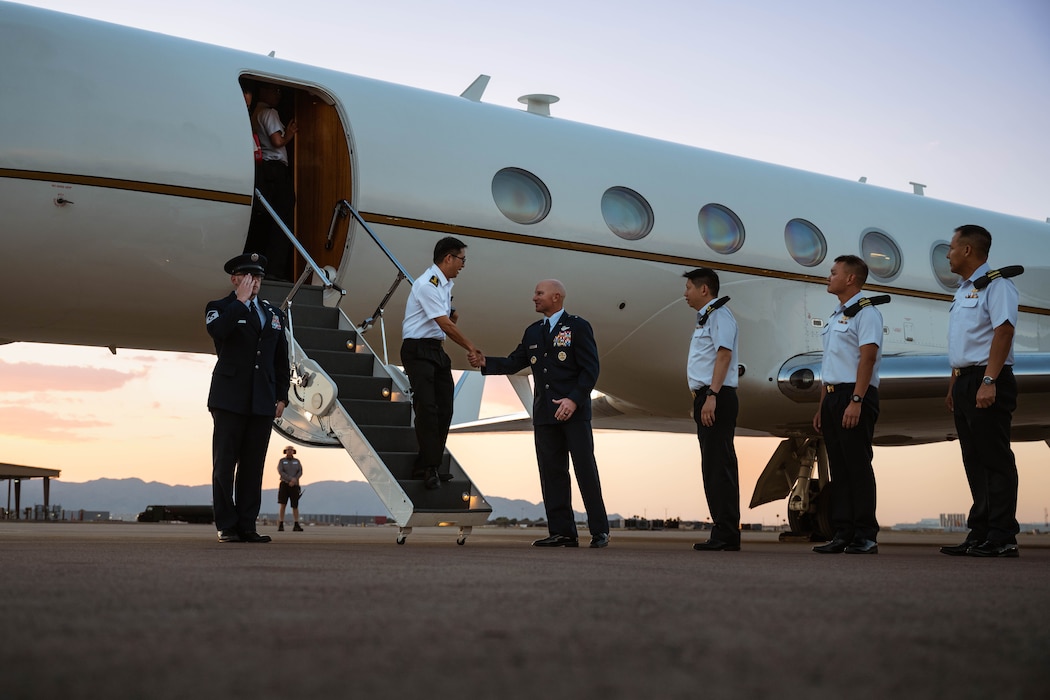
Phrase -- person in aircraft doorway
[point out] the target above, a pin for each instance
(849, 408)
(273, 178)
(249, 388)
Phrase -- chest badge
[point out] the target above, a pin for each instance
(562, 356)
(564, 338)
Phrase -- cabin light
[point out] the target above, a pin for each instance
(386, 393)
(466, 497)
(351, 345)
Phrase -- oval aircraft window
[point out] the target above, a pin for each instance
(521, 196)
(805, 242)
(941, 269)
(720, 228)
(881, 254)
(626, 213)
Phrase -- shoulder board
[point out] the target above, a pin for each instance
(1004, 272)
(717, 304)
(434, 280)
(853, 309)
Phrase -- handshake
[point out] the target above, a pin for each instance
(476, 358)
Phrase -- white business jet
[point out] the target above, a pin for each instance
(126, 171)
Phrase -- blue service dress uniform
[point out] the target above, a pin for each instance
(564, 365)
(251, 375)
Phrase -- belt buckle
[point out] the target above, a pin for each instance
(830, 388)
(957, 371)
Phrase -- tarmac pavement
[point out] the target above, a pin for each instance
(164, 611)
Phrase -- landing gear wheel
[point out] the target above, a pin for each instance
(463, 532)
(402, 534)
(461, 540)
(401, 539)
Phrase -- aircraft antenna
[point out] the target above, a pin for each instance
(476, 89)
(538, 103)
(918, 188)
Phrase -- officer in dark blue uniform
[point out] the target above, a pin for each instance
(249, 388)
(564, 360)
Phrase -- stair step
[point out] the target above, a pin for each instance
(447, 499)
(315, 339)
(381, 412)
(314, 316)
(401, 464)
(343, 362)
(355, 386)
(391, 439)
(277, 291)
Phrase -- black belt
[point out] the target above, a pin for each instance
(972, 369)
(703, 390)
(433, 342)
(832, 388)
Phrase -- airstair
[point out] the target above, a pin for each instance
(344, 394)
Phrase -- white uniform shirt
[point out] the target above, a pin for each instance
(430, 298)
(843, 338)
(720, 331)
(974, 316)
(266, 121)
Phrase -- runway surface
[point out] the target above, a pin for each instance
(164, 611)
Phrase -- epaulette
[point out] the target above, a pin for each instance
(853, 309)
(434, 280)
(701, 319)
(1004, 272)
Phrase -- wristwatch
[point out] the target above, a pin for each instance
(856, 398)
(709, 392)
(989, 380)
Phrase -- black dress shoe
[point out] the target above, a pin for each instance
(557, 541)
(229, 536)
(431, 479)
(994, 549)
(862, 545)
(254, 537)
(716, 546)
(598, 541)
(836, 546)
(959, 550)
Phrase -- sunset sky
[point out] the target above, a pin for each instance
(950, 93)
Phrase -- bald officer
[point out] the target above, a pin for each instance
(249, 388)
(982, 393)
(429, 319)
(712, 374)
(561, 350)
(849, 407)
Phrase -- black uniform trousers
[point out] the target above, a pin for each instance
(238, 447)
(849, 457)
(274, 180)
(991, 470)
(429, 372)
(554, 444)
(718, 464)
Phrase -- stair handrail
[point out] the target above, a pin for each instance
(402, 274)
(310, 262)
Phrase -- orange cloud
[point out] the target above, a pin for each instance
(42, 425)
(35, 377)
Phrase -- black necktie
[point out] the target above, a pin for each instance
(254, 311)
(546, 331)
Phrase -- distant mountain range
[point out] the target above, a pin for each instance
(126, 498)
